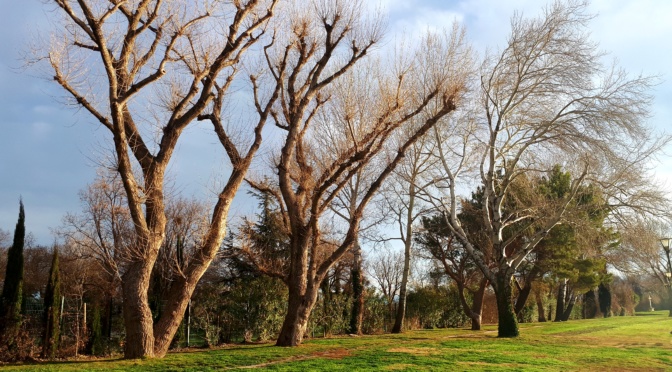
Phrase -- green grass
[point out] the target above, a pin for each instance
(636, 343)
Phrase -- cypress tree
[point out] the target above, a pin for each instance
(52, 298)
(604, 298)
(10, 301)
(97, 343)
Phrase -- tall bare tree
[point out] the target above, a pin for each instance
(545, 96)
(331, 133)
(145, 70)
(401, 196)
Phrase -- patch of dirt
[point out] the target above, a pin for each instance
(414, 350)
(332, 354)
(339, 353)
(400, 366)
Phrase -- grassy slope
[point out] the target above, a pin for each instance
(619, 343)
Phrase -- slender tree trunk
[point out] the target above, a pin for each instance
(408, 241)
(401, 307)
(560, 303)
(541, 315)
(357, 293)
(507, 322)
(137, 314)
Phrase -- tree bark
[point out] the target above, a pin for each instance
(540, 307)
(357, 293)
(568, 311)
(137, 314)
(401, 307)
(507, 322)
(560, 303)
(296, 320)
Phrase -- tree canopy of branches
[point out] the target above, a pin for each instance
(145, 70)
(337, 119)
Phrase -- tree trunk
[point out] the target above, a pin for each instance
(541, 317)
(570, 306)
(296, 320)
(401, 307)
(560, 304)
(477, 306)
(137, 314)
(507, 322)
(357, 293)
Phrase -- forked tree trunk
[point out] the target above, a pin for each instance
(507, 321)
(568, 311)
(138, 320)
(296, 320)
(475, 311)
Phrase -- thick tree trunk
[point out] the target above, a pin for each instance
(296, 321)
(560, 303)
(137, 314)
(507, 322)
(357, 294)
(541, 315)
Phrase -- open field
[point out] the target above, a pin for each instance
(636, 343)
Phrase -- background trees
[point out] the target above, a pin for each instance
(545, 95)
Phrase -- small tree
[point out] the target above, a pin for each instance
(10, 301)
(51, 317)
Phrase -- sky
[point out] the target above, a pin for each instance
(48, 152)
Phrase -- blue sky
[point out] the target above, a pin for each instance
(48, 152)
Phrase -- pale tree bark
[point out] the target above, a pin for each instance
(545, 95)
(332, 130)
(153, 53)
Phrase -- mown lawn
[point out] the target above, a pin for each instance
(636, 343)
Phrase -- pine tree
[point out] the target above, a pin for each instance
(10, 301)
(52, 298)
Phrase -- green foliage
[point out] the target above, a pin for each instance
(51, 317)
(11, 298)
(435, 307)
(375, 313)
(604, 298)
(96, 342)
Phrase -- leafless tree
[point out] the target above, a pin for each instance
(386, 270)
(545, 96)
(401, 198)
(330, 134)
(146, 70)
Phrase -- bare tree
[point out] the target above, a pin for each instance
(145, 70)
(545, 96)
(386, 269)
(330, 134)
(401, 197)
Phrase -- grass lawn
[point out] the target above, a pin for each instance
(635, 343)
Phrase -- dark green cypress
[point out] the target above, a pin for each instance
(52, 299)
(10, 301)
(97, 342)
(604, 298)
